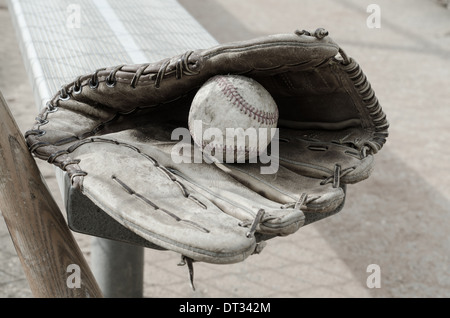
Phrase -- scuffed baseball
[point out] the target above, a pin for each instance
(235, 102)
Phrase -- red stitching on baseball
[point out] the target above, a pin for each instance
(230, 91)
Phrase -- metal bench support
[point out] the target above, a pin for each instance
(118, 268)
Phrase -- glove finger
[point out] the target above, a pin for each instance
(222, 189)
(237, 200)
(288, 188)
(333, 156)
(145, 197)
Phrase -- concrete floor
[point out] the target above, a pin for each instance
(398, 219)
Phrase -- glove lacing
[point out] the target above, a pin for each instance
(337, 175)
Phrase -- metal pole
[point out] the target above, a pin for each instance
(118, 268)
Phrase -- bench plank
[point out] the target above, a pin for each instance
(61, 40)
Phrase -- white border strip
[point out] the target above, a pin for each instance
(133, 50)
(39, 82)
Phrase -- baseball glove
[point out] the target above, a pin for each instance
(111, 131)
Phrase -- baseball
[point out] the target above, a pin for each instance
(233, 118)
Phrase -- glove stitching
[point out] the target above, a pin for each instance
(181, 67)
(147, 201)
(138, 75)
(162, 169)
(34, 132)
(338, 173)
(206, 189)
(38, 145)
(378, 117)
(258, 219)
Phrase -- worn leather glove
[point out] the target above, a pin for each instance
(111, 131)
